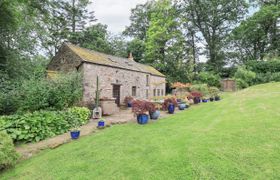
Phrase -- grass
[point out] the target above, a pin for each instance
(236, 138)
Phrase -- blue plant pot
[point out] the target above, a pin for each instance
(171, 108)
(182, 106)
(196, 100)
(75, 134)
(129, 104)
(101, 123)
(142, 118)
(205, 100)
(155, 115)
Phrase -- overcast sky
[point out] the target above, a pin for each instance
(114, 13)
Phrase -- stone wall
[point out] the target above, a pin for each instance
(126, 78)
(65, 60)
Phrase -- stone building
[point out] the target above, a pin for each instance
(118, 77)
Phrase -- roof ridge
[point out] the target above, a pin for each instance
(100, 58)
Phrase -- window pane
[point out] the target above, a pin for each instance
(133, 90)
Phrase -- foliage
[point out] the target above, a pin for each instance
(214, 20)
(151, 107)
(209, 78)
(139, 107)
(169, 101)
(95, 37)
(272, 65)
(8, 155)
(213, 91)
(256, 36)
(244, 77)
(128, 99)
(39, 125)
(41, 93)
(196, 94)
(202, 88)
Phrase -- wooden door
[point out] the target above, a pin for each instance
(117, 93)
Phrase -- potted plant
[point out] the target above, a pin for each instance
(128, 100)
(75, 130)
(101, 123)
(169, 104)
(196, 96)
(140, 110)
(153, 110)
(214, 93)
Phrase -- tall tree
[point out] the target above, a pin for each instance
(258, 35)
(95, 37)
(77, 16)
(214, 19)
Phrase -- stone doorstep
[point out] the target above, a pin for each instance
(28, 150)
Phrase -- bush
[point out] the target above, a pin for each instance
(213, 91)
(39, 125)
(202, 88)
(168, 101)
(271, 66)
(8, 155)
(209, 78)
(41, 94)
(244, 77)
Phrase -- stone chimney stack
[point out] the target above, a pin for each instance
(130, 57)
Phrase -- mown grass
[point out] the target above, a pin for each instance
(236, 138)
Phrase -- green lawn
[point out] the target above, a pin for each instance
(236, 138)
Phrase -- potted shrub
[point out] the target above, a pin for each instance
(128, 100)
(140, 110)
(196, 96)
(75, 130)
(214, 93)
(169, 104)
(153, 110)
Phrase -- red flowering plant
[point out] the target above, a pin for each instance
(139, 107)
(128, 99)
(151, 107)
(196, 96)
(169, 101)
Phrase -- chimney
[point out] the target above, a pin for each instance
(130, 57)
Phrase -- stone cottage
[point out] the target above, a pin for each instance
(118, 77)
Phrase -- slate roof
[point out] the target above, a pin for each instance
(112, 61)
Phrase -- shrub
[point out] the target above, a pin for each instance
(41, 94)
(202, 88)
(244, 77)
(209, 78)
(40, 125)
(151, 107)
(8, 155)
(139, 107)
(213, 91)
(271, 66)
(128, 99)
(168, 101)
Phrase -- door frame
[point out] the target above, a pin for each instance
(118, 99)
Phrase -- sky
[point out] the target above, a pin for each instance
(114, 13)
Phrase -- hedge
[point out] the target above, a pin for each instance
(8, 155)
(39, 125)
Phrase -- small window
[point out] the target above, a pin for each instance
(147, 94)
(133, 90)
(158, 92)
(155, 93)
(147, 80)
(162, 92)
